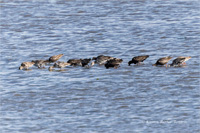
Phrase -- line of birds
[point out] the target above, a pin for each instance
(107, 61)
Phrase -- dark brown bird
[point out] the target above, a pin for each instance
(84, 62)
(162, 61)
(138, 59)
(59, 65)
(55, 58)
(40, 63)
(75, 62)
(101, 59)
(113, 63)
(79, 62)
(180, 61)
(26, 65)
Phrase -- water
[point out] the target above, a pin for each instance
(128, 99)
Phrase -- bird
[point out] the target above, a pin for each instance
(186, 58)
(180, 61)
(101, 59)
(84, 62)
(79, 62)
(75, 62)
(26, 65)
(138, 59)
(40, 63)
(59, 65)
(113, 63)
(162, 61)
(55, 58)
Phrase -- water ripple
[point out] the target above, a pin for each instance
(128, 99)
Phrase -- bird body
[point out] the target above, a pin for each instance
(162, 61)
(55, 58)
(26, 65)
(186, 58)
(75, 62)
(180, 61)
(40, 63)
(138, 59)
(101, 59)
(113, 63)
(59, 65)
(84, 62)
(79, 62)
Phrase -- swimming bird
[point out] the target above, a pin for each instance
(162, 61)
(79, 62)
(113, 63)
(84, 62)
(138, 59)
(55, 58)
(26, 65)
(101, 59)
(186, 58)
(180, 61)
(40, 63)
(75, 62)
(59, 65)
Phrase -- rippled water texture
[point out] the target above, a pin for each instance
(128, 99)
